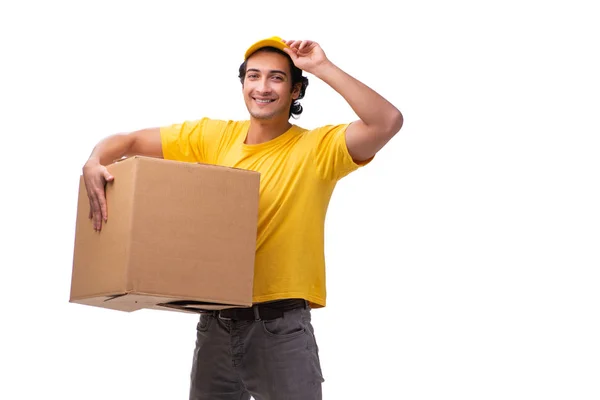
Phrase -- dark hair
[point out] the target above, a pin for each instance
(296, 107)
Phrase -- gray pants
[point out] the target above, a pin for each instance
(270, 360)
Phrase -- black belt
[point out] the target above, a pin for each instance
(261, 311)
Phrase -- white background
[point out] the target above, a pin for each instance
(463, 263)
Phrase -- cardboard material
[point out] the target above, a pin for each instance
(180, 237)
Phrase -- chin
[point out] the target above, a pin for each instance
(263, 115)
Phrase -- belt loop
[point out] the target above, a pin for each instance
(256, 313)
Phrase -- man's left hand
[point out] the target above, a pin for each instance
(306, 54)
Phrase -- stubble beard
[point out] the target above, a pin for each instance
(267, 115)
(263, 116)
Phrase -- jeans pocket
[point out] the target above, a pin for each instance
(204, 323)
(284, 327)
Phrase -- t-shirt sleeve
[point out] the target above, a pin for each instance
(192, 141)
(333, 161)
(183, 142)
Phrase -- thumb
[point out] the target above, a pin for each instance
(108, 176)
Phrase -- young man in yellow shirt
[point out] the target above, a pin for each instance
(268, 351)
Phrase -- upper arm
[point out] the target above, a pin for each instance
(184, 141)
(331, 157)
(146, 142)
(364, 141)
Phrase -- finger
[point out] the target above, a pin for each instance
(308, 47)
(89, 195)
(291, 53)
(101, 196)
(96, 223)
(108, 178)
(304, 44)
(97, 198)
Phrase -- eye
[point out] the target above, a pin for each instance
(252, 76)
(277, 78)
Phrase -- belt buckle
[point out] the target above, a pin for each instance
(222, 317)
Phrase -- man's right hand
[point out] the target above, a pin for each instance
(145, 142)
(95, 177)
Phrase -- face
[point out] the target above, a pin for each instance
(268, 86)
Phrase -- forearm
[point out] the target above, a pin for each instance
(145, 142)
(369, 106)
(111, 149)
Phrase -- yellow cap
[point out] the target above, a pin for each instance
(273, 41)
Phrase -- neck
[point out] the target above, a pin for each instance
(261, 131)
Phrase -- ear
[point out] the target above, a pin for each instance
(296, 91)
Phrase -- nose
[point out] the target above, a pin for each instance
(263, 86)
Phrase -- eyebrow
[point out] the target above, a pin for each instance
(273, 71)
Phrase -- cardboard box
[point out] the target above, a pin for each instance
(180, 236)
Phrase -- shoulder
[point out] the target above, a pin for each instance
(325, 133)
(221, 123)
(224, 125)
(206, 126)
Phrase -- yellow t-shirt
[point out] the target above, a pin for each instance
(298, 172)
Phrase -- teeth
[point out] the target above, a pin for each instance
(263, 101)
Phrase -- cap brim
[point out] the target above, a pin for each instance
(264, 43)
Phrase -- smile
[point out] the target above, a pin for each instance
(264, 101)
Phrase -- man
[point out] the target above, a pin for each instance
(269, 350)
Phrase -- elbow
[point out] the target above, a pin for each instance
(398, 121)
(395, 122)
